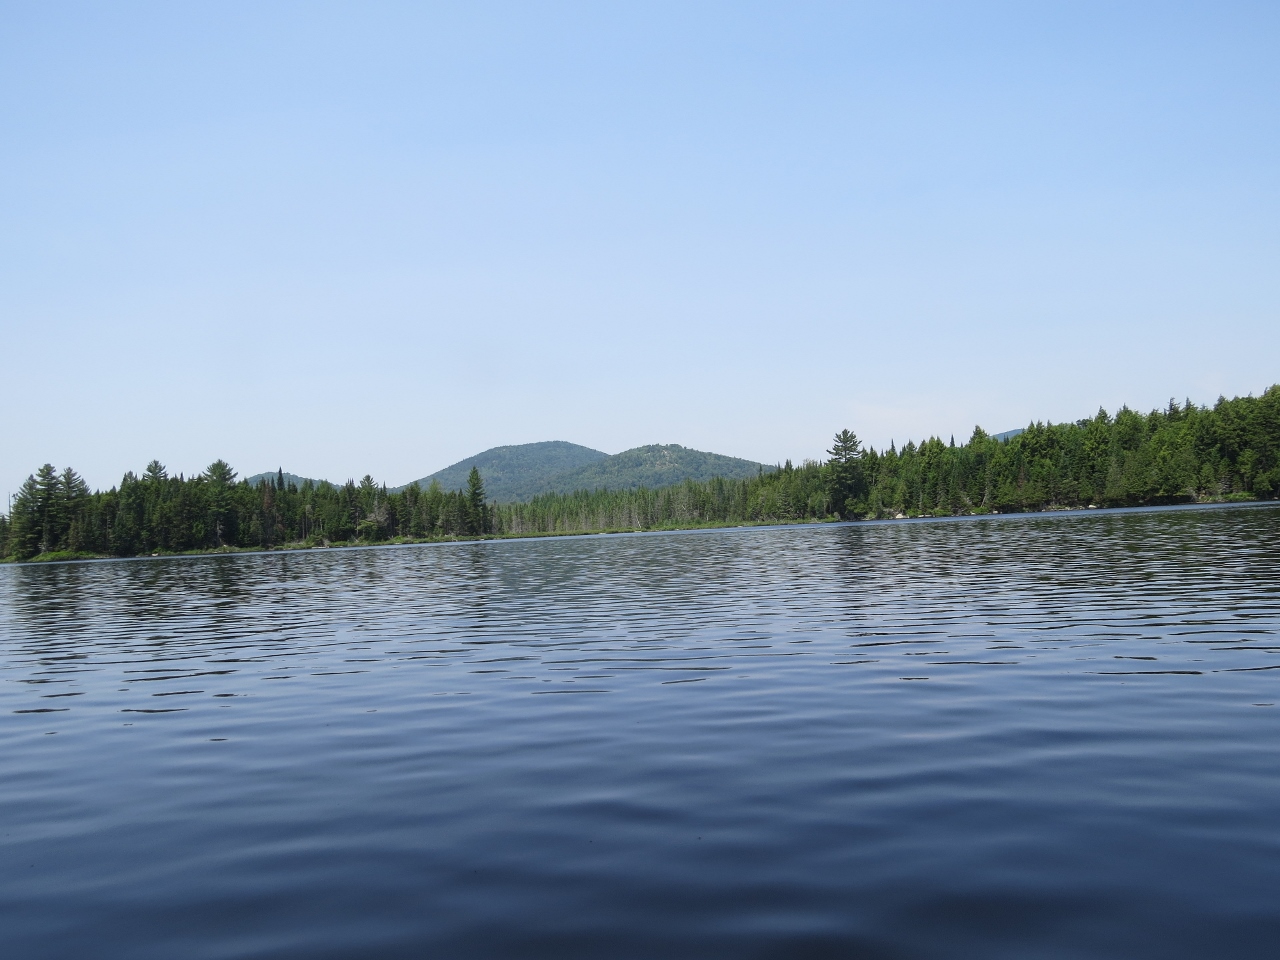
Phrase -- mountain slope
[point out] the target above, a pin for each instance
(517, 472)
(293, 478)
(522, 471)
(657, 465)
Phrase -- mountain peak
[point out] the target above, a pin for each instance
(518, 471)
(522, 471)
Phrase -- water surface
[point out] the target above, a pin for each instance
(1051, 736)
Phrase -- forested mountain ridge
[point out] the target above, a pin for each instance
(657, 465)
(516, 472)
(1181, 454)
(279, 476)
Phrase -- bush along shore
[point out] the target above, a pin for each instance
(1182, 454)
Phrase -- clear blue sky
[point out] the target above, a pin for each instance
(377, 237)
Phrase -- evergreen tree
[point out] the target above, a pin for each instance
(476, 511)
(845, 482)
(49, 508)
(222, 516)
(73, 496)
(74, 489)
(25, 527)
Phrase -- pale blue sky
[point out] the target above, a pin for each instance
(381, 237)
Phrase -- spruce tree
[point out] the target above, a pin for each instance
(73, 495)
(48, 507)
(477, 513)
(24, 518)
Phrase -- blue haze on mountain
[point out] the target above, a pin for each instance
(517, 472)
(522, 471)
(514, 473)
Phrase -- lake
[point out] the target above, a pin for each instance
(1043, 736)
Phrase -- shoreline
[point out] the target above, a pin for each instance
(67, 557)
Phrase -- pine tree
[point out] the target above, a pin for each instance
(845, 482)
(48, 508)
(220, 477)
(477, 512)
(24, 518)
(74, 489)
(73, 496)
(220, 472)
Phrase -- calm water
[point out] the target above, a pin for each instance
(1017, 737)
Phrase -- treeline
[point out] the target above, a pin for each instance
(55, 515)
(1181, 454)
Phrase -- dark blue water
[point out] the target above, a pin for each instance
(1018, 737)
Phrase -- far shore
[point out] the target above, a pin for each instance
(67, 556)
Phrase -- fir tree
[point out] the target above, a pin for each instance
(477, 513)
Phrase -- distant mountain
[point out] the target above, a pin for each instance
(517, 472)
(520, 472)
(1009, 434)
(657, 465)
(289, 478)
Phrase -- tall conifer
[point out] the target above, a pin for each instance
(477, 519)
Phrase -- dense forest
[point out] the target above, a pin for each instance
(1181, 454)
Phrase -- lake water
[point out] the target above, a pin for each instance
(1049, 736)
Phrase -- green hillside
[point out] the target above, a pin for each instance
(518, 472)
(289, 478)
(656, 465)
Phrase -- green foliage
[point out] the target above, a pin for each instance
(1178, 455)
(54, 515)
(46, 514)
(786, 495)
(846, 482)
(1183, 453)
(477, 512)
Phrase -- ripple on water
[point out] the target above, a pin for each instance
(1004, 737)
